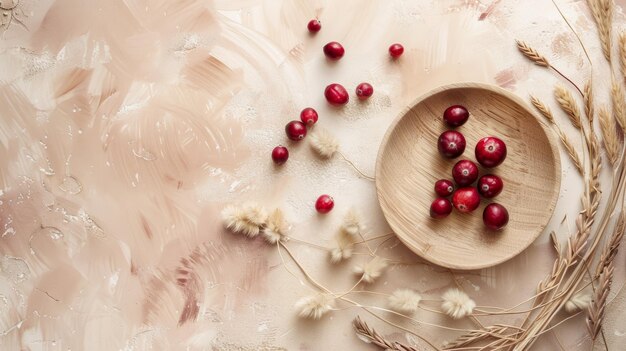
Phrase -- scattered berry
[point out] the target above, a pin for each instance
(440, 208)
(334, 50)
(308, 116)
(295, 130)
(495, 216)
(455, 116)
(336, 94)
(451, 144)
(314, 26)
(364, 90)
(280, 154)
(444, 187)
(490, 185)
(490, 152)
(396, 50)
(465, 172)
(324, 204)
(466, 199)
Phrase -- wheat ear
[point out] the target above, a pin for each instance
(617, 99)
(532, 54)
(602, 11)
(597, 306)
(568, 105)
(367, 333)
(609, 134)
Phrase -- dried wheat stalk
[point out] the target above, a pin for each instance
(619, 106)
(597, 306)
(532, 54)
(568, 105)
(609, 135)
(622, 52)
(602, 11)
(569, 147)
(368, 333)
(588, 99)
(610, 249)
(496, 332)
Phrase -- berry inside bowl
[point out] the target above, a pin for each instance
(409, 164)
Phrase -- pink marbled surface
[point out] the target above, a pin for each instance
(125, 126)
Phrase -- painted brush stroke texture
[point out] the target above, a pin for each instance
(126, 126)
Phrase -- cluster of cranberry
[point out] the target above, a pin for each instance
(335, 94)
(490, 152)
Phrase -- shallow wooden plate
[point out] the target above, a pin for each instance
(408, 165)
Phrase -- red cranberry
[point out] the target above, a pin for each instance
(455, 116)
(396, 50)
(495, 216)
(444, 187)
(308, 116)
(466, 199)
(490, 151)
(451, 144)
(295, 130)
(314, 26)
(324, 204)
(440, 208)
(280, 154)
(334, 50)
(336, 94)
(465, 172)
(490, 185)
(364, 90)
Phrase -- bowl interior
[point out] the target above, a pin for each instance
(409, 164)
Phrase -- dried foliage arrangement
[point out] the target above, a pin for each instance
(572, 286)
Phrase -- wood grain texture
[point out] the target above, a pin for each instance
(408, 165)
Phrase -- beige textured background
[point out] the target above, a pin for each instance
(125, 126)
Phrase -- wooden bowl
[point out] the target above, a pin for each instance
(409, 163)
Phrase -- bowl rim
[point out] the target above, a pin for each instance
(549, 132)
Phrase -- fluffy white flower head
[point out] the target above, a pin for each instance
(404, 300)
(315, 306)
(352, 222)
(372, 270)
(324, 143)
(247, 219)
(276, 227)
(342, 249)
(578, 302)
(457, 304)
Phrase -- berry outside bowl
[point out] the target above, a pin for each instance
(409, 164)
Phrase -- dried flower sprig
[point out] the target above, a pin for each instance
(276, 227)
(248, 219)
(314, 306)
(457, 304)
(371, 270)
(342, 249)
(404, 301)
(326, 145)
(352, 222)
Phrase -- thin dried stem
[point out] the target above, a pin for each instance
(609, 134)
(363, 175)
(568, 105)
